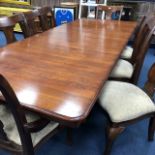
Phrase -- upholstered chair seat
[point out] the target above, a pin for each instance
(122, 69)
(125, 104)
(127, 52)
(124, 101)
(11, 131)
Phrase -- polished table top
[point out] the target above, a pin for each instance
(59, 73)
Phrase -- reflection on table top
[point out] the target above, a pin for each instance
(59, 73)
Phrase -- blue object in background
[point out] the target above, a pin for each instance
(63, 15)
(3, 42)
(115, 15)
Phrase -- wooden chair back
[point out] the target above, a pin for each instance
(7, 25)
(29, 26)
(12, 103)
(109, 10)
(146, 36)
(150, 84)
(139, 26)
(139, 36)
(24, 128)
(46, 18)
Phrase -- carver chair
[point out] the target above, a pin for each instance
(129, 71)
(7, 25)
(108, 11)
(21, 132)
(125, 104)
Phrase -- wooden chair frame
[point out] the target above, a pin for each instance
(114, 129)
(24, 128)
(7, 25)
(29, 24)
(142, 43)
(138, 57)
(149, 85)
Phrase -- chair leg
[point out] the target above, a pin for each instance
(151, 129)
(112, 134)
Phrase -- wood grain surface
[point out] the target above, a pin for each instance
(60, 72)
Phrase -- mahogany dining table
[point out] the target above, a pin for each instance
(59, 73)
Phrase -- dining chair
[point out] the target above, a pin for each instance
(109, 10)
(46, 18)
(128, 50)
(31, 24)
(7, 25)
(125, 104)
(129, 71)
(21, 132)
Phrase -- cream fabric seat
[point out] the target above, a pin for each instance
(124, 101)
(122, 69)
(11, 129)
(127, 52)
